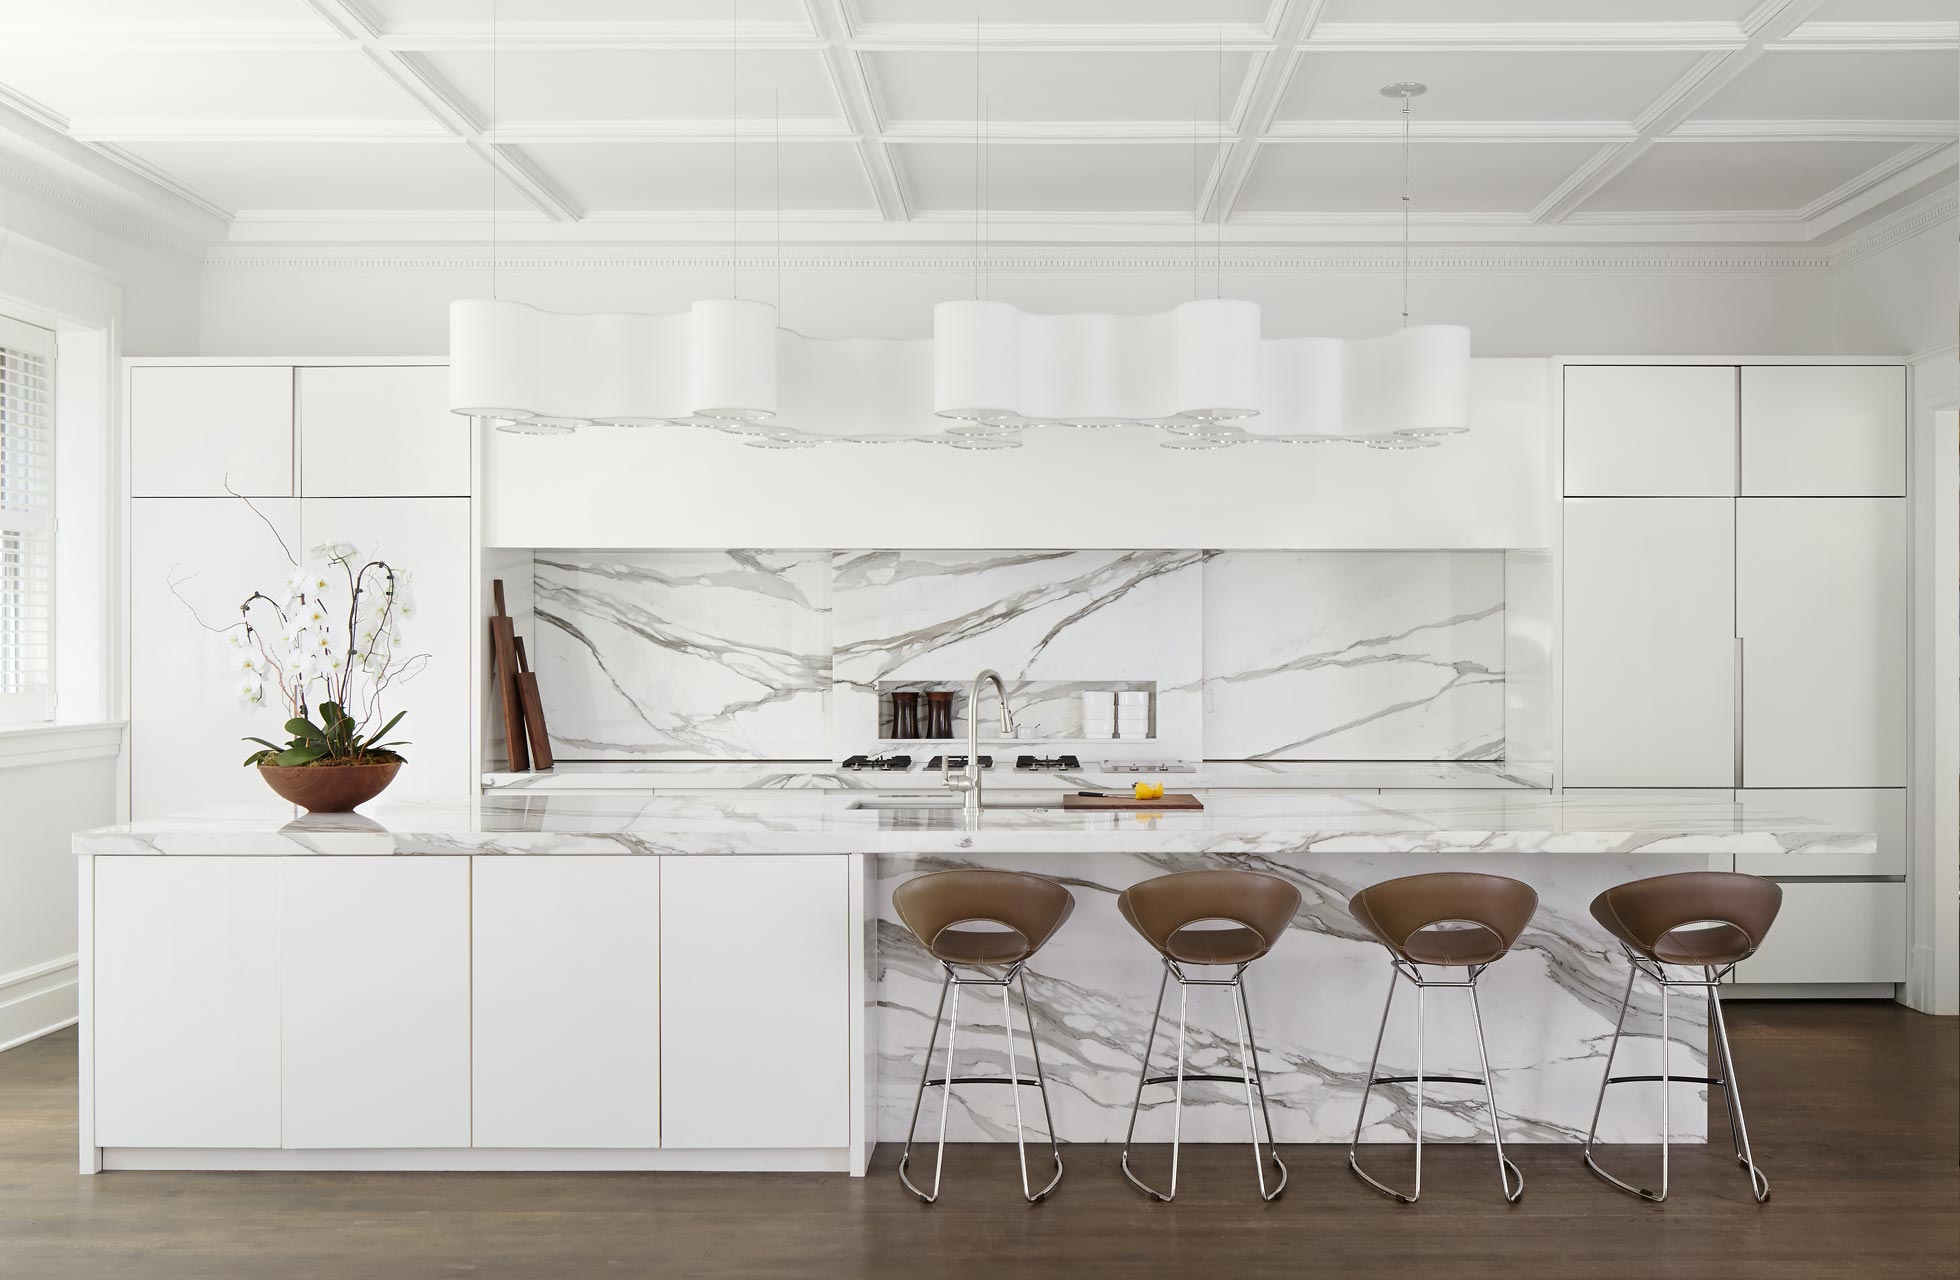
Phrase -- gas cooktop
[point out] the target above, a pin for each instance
(1047, 763)
(958, 762)
(888, 764)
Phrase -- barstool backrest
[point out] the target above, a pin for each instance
(1396, 911)
(1030, 906)
(1654, 915)
(1253, 900)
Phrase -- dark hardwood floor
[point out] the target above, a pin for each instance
(1853, 1108)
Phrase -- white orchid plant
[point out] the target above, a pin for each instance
(330, 643)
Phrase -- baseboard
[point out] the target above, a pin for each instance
(484, 1159)
(36, 1000)
(1810, 991)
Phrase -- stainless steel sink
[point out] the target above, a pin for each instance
(949, 801)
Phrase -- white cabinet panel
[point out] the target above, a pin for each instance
(186, 724)
(1650, 430)
(1834, 931)
(430, 538)
(1823, 430)
(566, 991)
(1821, 608)
(375, 989)
(1649, 642)
(193, 430)
(1881, 810)
(755, 1001)
(186, 1002)
(380, 431)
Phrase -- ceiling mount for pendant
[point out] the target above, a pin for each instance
(1405, 89)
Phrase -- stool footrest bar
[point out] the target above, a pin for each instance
(1425, 1080)
(940, 1082)
(1669, 1079)
(1197, 1080)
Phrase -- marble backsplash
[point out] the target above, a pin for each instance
(780, 655)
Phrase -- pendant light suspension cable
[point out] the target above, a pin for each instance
(1218, 222)
(1405, 90)
(734, 145)
(776, 163)
(492, 157)
(976, 149)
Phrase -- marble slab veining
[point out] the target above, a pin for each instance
(789, 775)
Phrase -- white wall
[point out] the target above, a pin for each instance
(375, 304)
(44, 804)
(1900, 300)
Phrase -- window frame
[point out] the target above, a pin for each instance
(36, 704)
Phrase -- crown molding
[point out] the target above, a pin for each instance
(1369, 258)
(1618, 37)
(1901, 224)
(36, 183)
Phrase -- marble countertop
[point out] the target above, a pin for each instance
(1241, 822)
(797, 775)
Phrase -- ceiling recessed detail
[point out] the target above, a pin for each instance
(1146, 122)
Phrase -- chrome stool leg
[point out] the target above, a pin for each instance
(1511, 1180)
(1732, 1099)
(1013, 1079)
(1738, 1127)
(1249, 1077)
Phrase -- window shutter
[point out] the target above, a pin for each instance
(26, 522)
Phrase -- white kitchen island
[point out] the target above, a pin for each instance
(577, 981)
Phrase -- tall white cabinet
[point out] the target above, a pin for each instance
(1735, 561)
(367, 454)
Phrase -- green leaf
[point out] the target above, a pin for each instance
(383, 730)
(302, 728)
(259, 757)
(301, 755)
(270, 746)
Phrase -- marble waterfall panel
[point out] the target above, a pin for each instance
(1316, 1000)
(1051, 622)
(1354, 655)
(685, 655)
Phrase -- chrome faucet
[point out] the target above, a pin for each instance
(969, 780)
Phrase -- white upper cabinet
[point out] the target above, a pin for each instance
(380, 431)
(1650, 430)
(196, 429)
(1821, 609)
(1650, 653)
(1823, 431)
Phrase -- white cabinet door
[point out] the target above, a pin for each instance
(1881, 810)
(186, 1002)
(1650, 430)
(195, 430)
(430, 539)
(373, 431)
(186, 724)
(1834, 931)
(755, 1001)
(1824, 430)
(566, 992)
(375, 989)
(1821, 608)
(1649, 642)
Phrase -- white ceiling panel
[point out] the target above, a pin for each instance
(414, 15)
(1887, 11)
(1804, 84)
(692, 177)
(331, 175)
(284, 85)
(1073, 87)
(1544, 86)
(1773, 176)
(1120, 178)
(124, 16)
(1538, 10)
(638, 84)
(1089, 13)
(1446, 177)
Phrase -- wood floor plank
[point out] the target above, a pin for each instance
(1854, 1107)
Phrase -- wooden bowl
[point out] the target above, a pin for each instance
(329, 788)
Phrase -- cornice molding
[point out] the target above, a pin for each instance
(1901, 224)
(1378, 258)
(36, 183)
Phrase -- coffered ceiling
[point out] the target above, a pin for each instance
(1735, 121)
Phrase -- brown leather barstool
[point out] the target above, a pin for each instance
(1245, 913)
(1016, 913)
(1706, 920)
(1445, 919)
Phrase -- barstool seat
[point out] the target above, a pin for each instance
(1706, 920)
(1024, 912)
(1461, 919)
(1199, 918)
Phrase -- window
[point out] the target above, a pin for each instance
(26, 522)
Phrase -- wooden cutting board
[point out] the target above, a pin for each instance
(1170, 800)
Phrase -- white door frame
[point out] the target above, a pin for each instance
(1933, 965)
